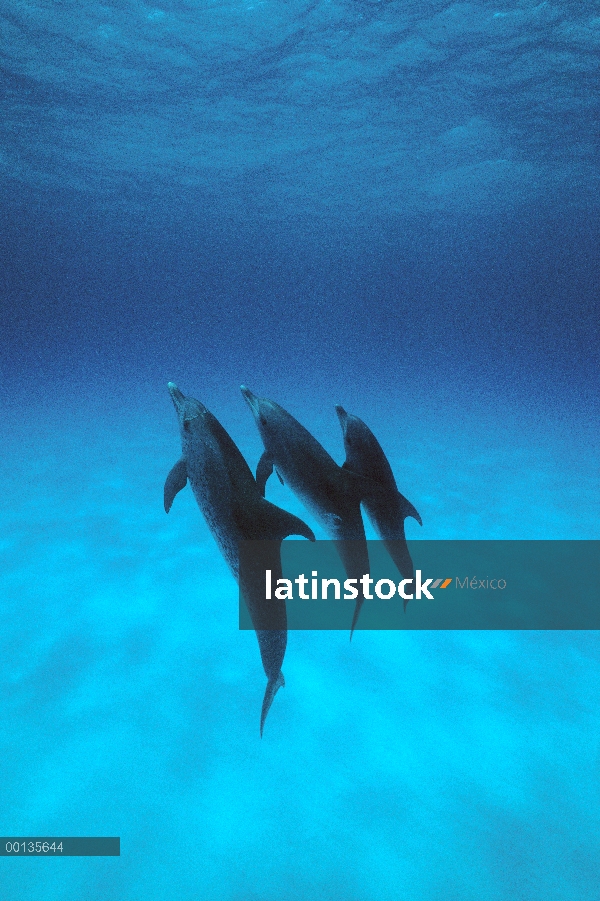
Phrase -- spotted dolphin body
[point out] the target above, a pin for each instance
(234, 509)
(332, 494)
(387, 509)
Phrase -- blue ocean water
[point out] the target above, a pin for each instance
(392, 206)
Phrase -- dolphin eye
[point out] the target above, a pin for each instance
(349, 442)
(186, 425)
(263, 421)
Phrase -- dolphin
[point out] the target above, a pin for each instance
(235, 509)
(387, 509)
(332, 494)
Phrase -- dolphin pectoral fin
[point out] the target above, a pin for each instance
(279, 477)
(273, 686)
(176, 480)
(263, 471)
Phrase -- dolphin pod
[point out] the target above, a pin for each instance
(331, 493)
(235, 509)
(386, 509)
(233, 504)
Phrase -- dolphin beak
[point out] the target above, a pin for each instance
(251, 399)
(176, 395)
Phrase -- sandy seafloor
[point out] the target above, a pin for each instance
(459, 765)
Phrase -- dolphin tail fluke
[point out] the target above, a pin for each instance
(273, 686)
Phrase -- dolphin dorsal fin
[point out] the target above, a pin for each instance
(278, 523)
(407, 509)
(264, 521)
